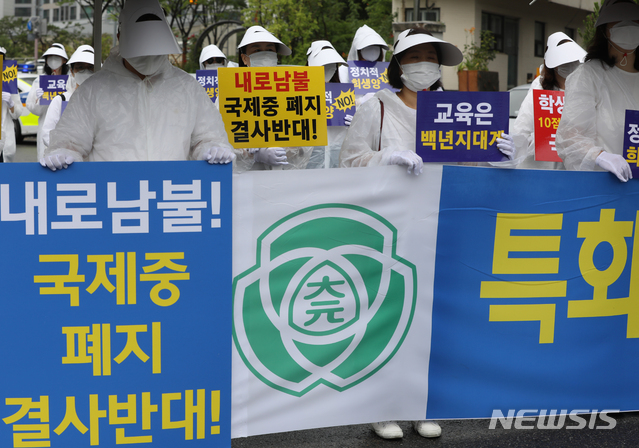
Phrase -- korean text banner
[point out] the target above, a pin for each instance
(340, 101)
(273, 106)
(208, 80)
(548, 106)
(532, 296)
(116, 279)
(53, 85)
(631, 140)
(10, 76)
(461, 126)
(369, 76)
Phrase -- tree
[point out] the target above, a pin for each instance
(13, 37)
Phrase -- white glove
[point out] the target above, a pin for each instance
(6, 97)
(616, 164)
(217, 154)
(348, 119)
(39, 93)
(56, 162)
(409, 158)
(506, 145)
(271, 156)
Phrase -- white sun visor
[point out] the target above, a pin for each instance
(144, 30)
(322, 53)
(259, 34)
(559, 54)
(208, 52)
(616, 11)
(84, 53)
(450, 54)
(56, 50)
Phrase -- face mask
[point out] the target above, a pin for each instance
(329, 71)
(82, 76)
(625, 35)
(55, 62)
(371, 53)
(566, 69)
(263, 59)
(213, 66)
(147, 65)
(420, 76)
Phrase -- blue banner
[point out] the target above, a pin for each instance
(536, 293)
(115, 317)
(631, 140)
(461, 126)
(208, 80)
(340, 101)
(369, 76)
(10, 76)
(53, 85)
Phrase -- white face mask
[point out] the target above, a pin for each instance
(625, 35)
(420, 75)
(213, 66)
(55, 62)
(263, 59)
(371, 53)
(82, 76)
(566, 69)
(329, 71)
(147, 65)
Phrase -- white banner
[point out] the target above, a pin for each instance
(333, 293)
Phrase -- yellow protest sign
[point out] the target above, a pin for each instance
(273, 106)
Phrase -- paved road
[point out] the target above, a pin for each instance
(456, 433)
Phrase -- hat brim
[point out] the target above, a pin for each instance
(617, 12)
(450, 54)
(149, 38)
(564, 54)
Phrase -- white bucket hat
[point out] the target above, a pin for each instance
(260, 34)
(558, 54)
(208, 52)
(365, 36)
(84, 53)
(616, 11)
(56, 50)
(451, 55)
(144, 30)
(322, 53)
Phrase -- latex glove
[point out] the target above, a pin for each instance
(39, 93)
(409, 158)
(271, 156)
(348, 119)
(616, 164)
(56, 162)
(506, 145)
(6, 97)
(218, 154)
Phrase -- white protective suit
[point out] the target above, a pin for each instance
(523, 133)
(328, 156)
(597, 97)
(8, 140)
(360, 147)
(53, 116)
(116, 116)
(33, 104)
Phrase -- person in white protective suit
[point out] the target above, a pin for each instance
(562, 57)
(81, 64)
(139, 106)
(55, 59)
(369, 46)
(322, 53)
(383, 129)
(591, 131)
(259, 48)
(212, 58)
(12, 109)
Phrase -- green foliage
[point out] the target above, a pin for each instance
(477, 57)
(588, 32)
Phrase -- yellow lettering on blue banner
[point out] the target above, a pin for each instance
(542, 313)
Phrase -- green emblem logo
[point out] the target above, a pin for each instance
(327, 302)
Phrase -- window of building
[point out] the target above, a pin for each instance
(73, 13)
(570, 32)
(22, 12)
(45, 1)
(45, 14)
(86, 11)
(56, 15)
(430, 14)
(495, 24)
(540, 39)
(28, 2)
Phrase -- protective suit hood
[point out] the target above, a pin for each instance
(322, 52)
(56, 50)
(115, 64)
(557, 54)
(365, 37)
(260, 34)
(616, 11)
(144, 30)
(208, 52)
(451, 55)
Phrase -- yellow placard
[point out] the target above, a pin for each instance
(273, 106)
